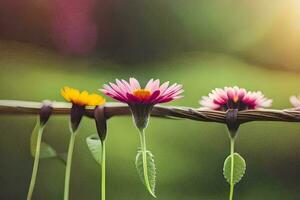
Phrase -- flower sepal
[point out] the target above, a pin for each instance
(232, 122)
(141, 113)
(77, 113)
(45, 112)
(101, 122)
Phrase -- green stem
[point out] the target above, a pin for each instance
(35, 164)
(231, 168)
(145, 166)
(68, 167)
(103, 168)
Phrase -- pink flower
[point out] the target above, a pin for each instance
(142, 100)
(295, 101)
(132, 93)
(234, 98)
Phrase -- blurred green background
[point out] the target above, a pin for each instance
(198, 43)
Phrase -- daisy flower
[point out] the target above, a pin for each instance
(79, 100)
(142, 100)
(234, 98)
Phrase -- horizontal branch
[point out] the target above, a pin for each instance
(173, 112)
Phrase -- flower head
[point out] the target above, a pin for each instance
(234, 98)
(295, 101)
(81, 98)
(132, 93)
(142, 100)
(79, 101)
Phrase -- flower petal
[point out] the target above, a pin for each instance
(134, 84)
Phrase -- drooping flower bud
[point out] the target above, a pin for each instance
(100, 119)
(45, 112)
(77, 113)
(232, 122)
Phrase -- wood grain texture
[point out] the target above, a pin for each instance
(13, 107)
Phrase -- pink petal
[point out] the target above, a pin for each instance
(230, 93)
(236, 90)
(155, 85)
(117, 97)
(122, 86)
(132, 98)
(126, 85)
(175, 94)
(118, 90)
(174, 91)
(134, 84)
(149, 84)
(241, 93)
(177, 97)
(153, 96)
(222, 94)
(295, 101)
(268, 103)
(163, 87)
(164, 100)
(169, 89)
(110, 90)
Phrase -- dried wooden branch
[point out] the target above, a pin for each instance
(173, 112)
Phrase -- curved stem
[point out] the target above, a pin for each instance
(145, 166)
(103, 182)
(68, 166)
(35, 164)
(231, 168)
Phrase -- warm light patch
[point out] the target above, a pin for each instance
(81, 98)
(142, 93)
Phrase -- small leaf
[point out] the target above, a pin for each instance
(46, 151)
(151, 170)
(239, 168)
(95, 146)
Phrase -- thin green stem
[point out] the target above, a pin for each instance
(231, 168)
(103, 168)
(68, 167)
(145, 166)
(35, 164)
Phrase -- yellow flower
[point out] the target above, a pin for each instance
(81, 98)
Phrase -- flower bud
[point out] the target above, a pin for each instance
(45, 112)
(100, 119)
(232, 122)
(77, 112)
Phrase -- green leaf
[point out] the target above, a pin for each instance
(95, 146)
(151, 170)
(239, 168)
(46, 151)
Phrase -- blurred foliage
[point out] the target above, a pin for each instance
(265, 32)
(189, 155)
